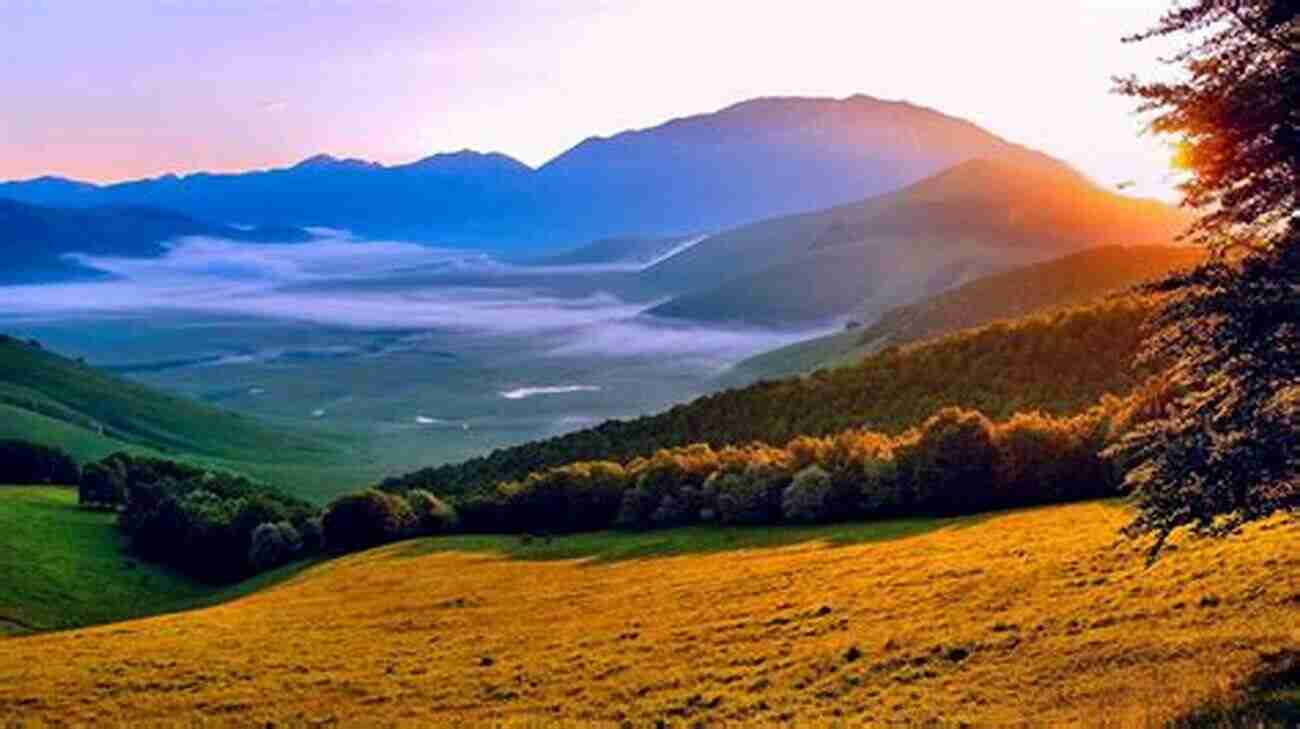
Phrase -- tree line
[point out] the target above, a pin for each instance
(1058, 363)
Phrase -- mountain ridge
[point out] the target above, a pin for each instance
(857, 260)
(753, 159)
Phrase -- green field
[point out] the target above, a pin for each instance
(64, 567)
(617, 546)
(46, 398)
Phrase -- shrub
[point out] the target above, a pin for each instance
(312, 533)
(31, 463)
(569, 498)
(752, 496)
(882, 488)
(952, 466)
(367, 519)
(672, 511)
(102, 485)
(808, 497)
(1045, 460)
(273, 544)
(432, 514)
(635, 508)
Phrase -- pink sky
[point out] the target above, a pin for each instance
(111, 91)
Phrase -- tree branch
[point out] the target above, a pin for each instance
(1261, 33)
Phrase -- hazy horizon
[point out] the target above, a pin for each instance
(252, 85)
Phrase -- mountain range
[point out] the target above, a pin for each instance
(856, 261)
(37, 241)
(756, 159)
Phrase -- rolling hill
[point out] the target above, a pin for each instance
(50, 399)
(859, 260)
(1035, 617)
(1047, 362)
(1074, 279)
(36, 240)
(66, 567)
(706, 172)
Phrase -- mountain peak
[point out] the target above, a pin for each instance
(327, 161)
(467, 160)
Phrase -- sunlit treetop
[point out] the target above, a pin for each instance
(1235, 111)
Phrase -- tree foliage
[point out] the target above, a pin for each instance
(367, 519)
(1235, 111)
(198, 521)
(1222, 447)
(31, 463)
(957, 462)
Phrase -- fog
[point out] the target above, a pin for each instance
(339, 281)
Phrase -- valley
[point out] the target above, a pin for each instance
(729, 396)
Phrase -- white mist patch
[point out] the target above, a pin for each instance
(338, 281)
(679, 248)
(646, 336)
(521, 393)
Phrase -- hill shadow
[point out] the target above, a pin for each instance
(608, 547)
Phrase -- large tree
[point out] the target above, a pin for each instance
(1226, 449)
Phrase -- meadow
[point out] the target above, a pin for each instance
(64, 567)
(1042, 617)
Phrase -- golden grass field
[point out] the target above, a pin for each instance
(1034, 618)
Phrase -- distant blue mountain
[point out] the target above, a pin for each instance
(753, 160)
(35, 239)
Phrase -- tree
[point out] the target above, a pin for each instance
(432, 514)
(808, 497)
(953, 464)
(1224, 451)
(1235, 113)
(367, 519)
(273, 544)
(102, 484)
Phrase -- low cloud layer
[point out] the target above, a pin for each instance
(343, 282)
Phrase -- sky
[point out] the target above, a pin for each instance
(133, 88)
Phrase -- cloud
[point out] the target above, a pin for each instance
(339, 281)
(643, 336)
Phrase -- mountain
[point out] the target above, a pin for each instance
(627, 251)
(858, 260)
(1072, 280)
(756, 159)
(36, 239)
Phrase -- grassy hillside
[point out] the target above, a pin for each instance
(1071, 280)
(50, 399)
(64, 567)
(979, 217)
(1036, 617)
(1058, 363)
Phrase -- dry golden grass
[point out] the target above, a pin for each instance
(1036, 618)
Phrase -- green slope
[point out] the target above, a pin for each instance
(51, 399)
(1059, 363)
(859, 260)
(39, 381)
(63, 567)
(1066, 281)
